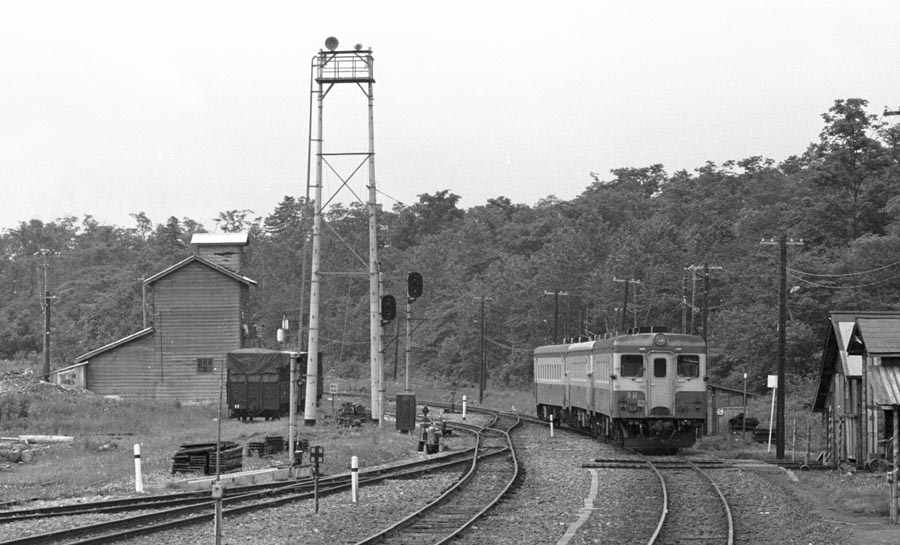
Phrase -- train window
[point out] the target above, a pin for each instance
(204, 365)
(659, 367)
(689, 366)
(632, 365)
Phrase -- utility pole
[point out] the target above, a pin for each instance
(482, 374)
(625, 304)
(556, 294)
(45, 304)
(684, 304)
(706, 276)
(782, 243)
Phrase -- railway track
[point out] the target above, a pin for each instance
(164, 512)
(694, 510)
(690, 508)
(487, 481)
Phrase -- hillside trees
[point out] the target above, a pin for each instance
(546, 271)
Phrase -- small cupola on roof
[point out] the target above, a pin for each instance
(225, 249)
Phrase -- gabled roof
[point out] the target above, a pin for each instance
(198, 259)
(879, 335)
(836, 359)
(114, 344)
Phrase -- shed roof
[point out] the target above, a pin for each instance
(836, 358)
(208, 263)
(114, 344)
(885, 381)
(717, 388)
(221, 239)
(68, 368)
(879, 335)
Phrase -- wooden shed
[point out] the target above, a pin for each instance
(195, 312)
(724, 404)
(877, 341)
(847, 376)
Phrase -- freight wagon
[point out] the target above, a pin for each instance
(258, 383)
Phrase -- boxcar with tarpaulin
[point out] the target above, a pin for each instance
(258, 382)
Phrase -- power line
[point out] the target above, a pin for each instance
(845, 274)
(853, 287)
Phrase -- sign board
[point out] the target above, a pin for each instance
(773, 381)
(332, 388)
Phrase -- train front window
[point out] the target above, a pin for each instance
(632, 365)
(689, 366)
(659, 367)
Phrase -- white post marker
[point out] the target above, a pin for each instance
(464, 408)
(354, 478)
(551, 425)
(773, 384)
(138, 478)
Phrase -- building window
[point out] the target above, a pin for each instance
(204, 365)
(890, 361)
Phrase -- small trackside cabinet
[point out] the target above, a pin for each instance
(406, 412)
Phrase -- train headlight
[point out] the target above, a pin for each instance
(660, 340)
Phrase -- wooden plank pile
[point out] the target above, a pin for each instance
(273, 444)
(202, 458)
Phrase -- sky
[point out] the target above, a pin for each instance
(192, 108)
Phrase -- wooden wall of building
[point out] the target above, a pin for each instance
(196, 320)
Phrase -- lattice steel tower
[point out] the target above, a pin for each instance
(333, 66)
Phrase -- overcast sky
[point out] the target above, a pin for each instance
(188, 109)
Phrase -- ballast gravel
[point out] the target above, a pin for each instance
(554, 503)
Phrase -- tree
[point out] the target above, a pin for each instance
(847, 169)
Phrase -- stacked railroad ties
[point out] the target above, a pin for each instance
(203, 457)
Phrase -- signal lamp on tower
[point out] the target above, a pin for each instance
(388, 308)
(331, 43)
(414, 285)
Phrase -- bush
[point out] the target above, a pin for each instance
(14, 407)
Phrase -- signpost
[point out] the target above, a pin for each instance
(773, 384)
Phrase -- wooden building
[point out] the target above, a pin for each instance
(724, 404)
(859, 382)
(194, 313)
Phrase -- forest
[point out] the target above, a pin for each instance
(689, 245)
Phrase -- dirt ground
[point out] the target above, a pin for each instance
(863, 529)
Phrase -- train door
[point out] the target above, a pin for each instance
(660, 383)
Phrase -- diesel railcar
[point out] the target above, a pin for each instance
(644, 390)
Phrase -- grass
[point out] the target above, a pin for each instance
(858, 493)
(100, 459)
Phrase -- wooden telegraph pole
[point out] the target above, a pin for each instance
(625, 303)
(782, 243)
